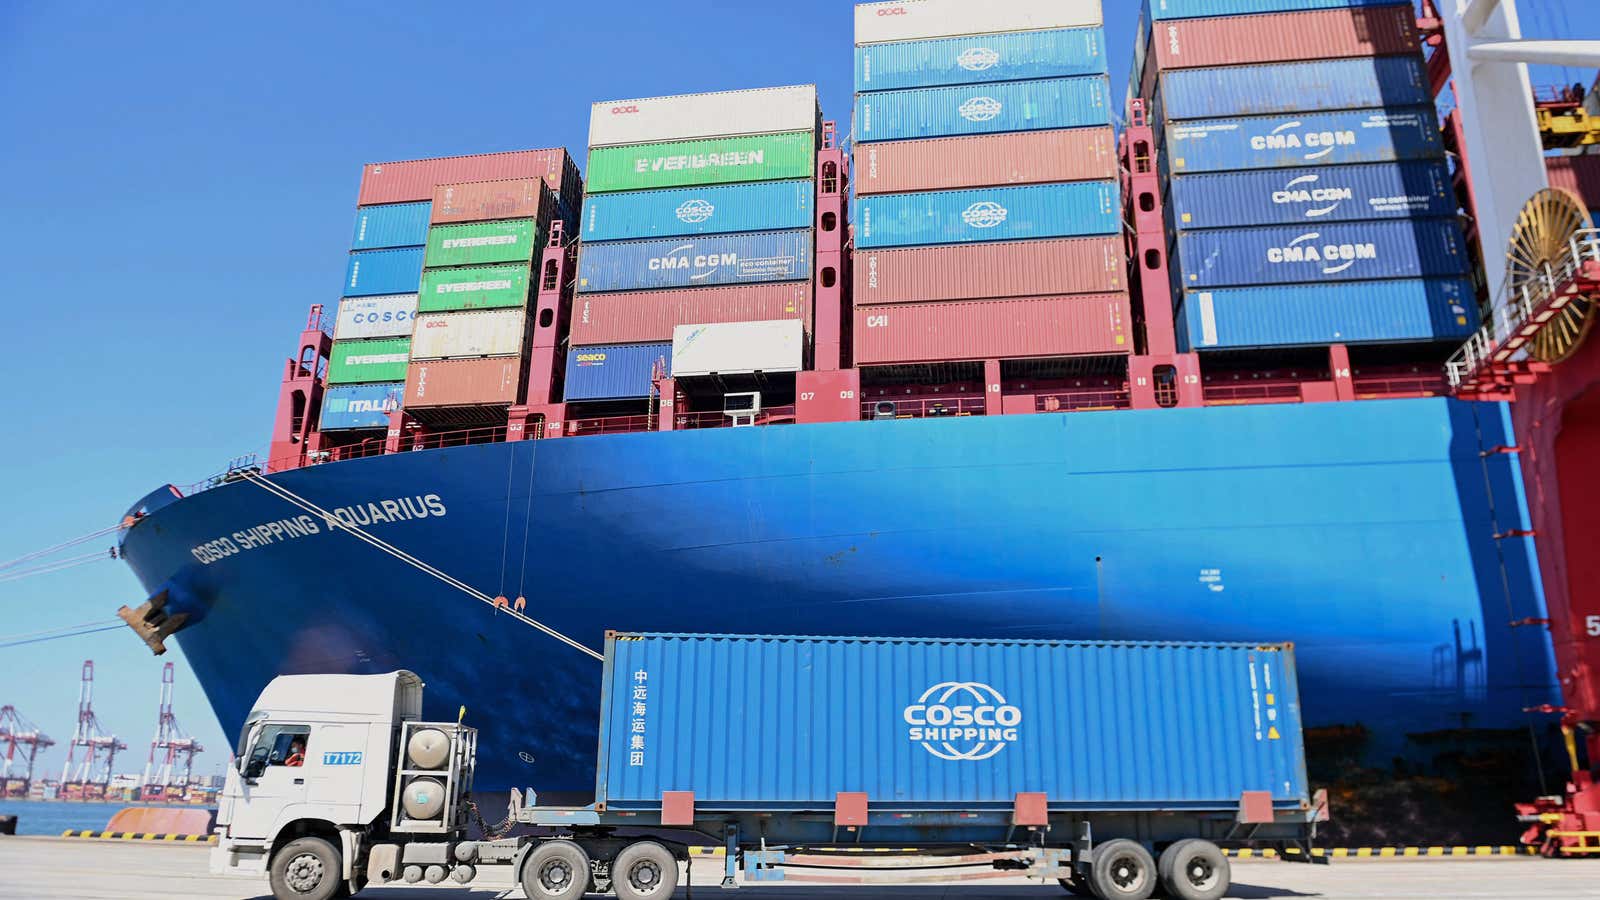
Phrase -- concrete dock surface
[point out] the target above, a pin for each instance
(113, 870)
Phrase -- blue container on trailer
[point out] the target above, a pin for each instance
(1017, 56)
(787, 723)
(372, 272)
(1333, 251)
(1321, 194)
(361, 405)
(391, 225)
(1313, 139)
(614, 371)
(720, 209)
(983, 109)
(988, 214)
(1360, 312)
(1204, 9)
(752, 258)
(1328, 84)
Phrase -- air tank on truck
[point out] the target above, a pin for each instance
(1115, 769)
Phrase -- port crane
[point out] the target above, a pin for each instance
(17, 733)
(86, 776)
(161, 780)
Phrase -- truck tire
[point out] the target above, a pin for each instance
(644, 871)
(307, 868)
(1194, 870)
(556, 870)
(1123, 870)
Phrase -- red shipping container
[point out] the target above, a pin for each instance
(1280, 37)
(1578, 174)
(640, 317)
(464, 382)
(481, 201)
(978, 271)
(993, 160)
(992, 329)
(415, 180)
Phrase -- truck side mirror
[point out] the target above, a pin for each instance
(256, 764)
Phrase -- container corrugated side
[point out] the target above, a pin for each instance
(764, 157)
(355, 362)
(721, 209)
(481, 201)
(1363, 312)
(990, 160)
(1015, 328)
(983, 109)
(1201, 9)
(1338, 138)
(1321, 194)
(1332, 84)
(1578, 174)
(688, 116)
(790, 722)
(977, 271)
(650, 316)
(750, 258)
(375, 317)
(456, 335)
(373, 272)
(988, 214)
(1334, 251)
(414, 180)
(615, 371)
(481, 243)
(494, 381)
(738, 348)
(359, 406)
(394, 225)
(474, 287)
(1060, 53)
(913, 20)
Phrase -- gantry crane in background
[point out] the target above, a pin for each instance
(172, 752)
(86, 777)
(19, 734)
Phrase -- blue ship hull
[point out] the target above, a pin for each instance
(1363, 532)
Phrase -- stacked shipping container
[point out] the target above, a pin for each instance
(988, 214)
(699, 212)
(1305, 179)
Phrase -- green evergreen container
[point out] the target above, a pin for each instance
(360, 362)
(762, 157)
(474, 287)
(478, 243)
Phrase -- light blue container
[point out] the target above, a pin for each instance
(614, 371)
(988, 214)
(1309, 139)
(1330, 252)
(1328, 84)
(983, 109)
(1017, 56)
(392, 225)
(1321, 194)
(1202, 9)
(361, 405)
(371, 272)
(753, 258)
(765, 206)
(1362, 312)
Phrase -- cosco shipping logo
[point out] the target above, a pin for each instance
(981, 109)
(977, 59)
(984, 214)
(962, 720)
(693, 212)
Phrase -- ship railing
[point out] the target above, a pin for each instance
(1275, 390)
(463, 438)
(774, 415)
(1394, 385)
(1082, 401)
(609, 425)
(922, 407)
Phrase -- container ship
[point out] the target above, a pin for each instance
(993, 368)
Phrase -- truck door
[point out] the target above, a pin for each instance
(275, 779)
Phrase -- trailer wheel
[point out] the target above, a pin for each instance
(1122, 870)
(644, 871)
(306, 868)
(1195, 870)
(556, 870)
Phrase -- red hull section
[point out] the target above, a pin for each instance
(992, 329)
(1029, 157)
(414, 181)
(978, 271)
(639, 317)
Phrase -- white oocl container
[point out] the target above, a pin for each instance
(918, 20)
(737, 348)
(694, 116)
(466, 335)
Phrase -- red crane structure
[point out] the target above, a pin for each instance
(161, 781)
(19, 733)
(86, 777)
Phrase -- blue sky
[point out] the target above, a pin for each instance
(179, 187)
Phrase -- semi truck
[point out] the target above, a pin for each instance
(1115, 769)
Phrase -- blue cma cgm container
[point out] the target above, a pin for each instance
(1202, 9)
(695, 261)
(1328, 84)
(372, 272)
(765, 206)
(983, 109)
(1321, 139)
(787, 723)
(1362, 312)
(361, 405)
(988, 214)
(614, 371)
(1322, 194)
(1018, 56)
(393, 225)
(1335, 251)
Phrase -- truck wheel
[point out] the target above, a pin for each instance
(556, 870)
(1122, 870)
(306, 868)
(644, 871)
(1195, 870)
